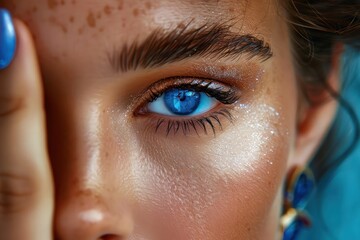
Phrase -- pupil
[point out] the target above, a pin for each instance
(181, 96)
(181, 101)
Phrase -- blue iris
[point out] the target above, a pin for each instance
(182, 102)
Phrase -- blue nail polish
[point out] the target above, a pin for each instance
(7, 39)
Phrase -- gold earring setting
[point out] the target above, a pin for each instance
(300, 184)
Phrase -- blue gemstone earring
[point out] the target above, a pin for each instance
(299, 186)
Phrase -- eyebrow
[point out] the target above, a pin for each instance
(215, 41)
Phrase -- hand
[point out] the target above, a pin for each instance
(26, 187)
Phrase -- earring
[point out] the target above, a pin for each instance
(299, 185)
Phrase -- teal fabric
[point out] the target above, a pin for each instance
(335, 208)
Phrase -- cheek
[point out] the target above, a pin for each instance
(222, 188)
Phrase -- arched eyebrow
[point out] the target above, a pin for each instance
(214, 41)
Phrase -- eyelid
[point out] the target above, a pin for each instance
(211, 121)
(223, 92)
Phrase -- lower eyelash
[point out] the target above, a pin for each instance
(188, 125)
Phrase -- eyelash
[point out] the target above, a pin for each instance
(223, 93)
(188, 124)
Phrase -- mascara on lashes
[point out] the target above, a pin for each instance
(224, 93)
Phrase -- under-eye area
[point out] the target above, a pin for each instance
(187, 105)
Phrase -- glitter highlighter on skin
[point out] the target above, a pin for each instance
(165, 119)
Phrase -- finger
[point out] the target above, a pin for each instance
(26, 191)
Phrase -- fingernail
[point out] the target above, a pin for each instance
(7, 39)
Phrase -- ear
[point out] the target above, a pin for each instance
(315, 119)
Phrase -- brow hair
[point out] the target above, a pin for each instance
(215, 41)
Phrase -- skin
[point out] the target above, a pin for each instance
(112, 176)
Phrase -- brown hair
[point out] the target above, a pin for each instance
(316, 26)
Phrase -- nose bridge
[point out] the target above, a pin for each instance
(87, 206)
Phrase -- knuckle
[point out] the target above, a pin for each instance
(16, 192)
(9, 105)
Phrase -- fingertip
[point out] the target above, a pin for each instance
(24, 38)
(15, 40)
(20, 80)
(7, 39)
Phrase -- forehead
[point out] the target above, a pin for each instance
(98, 15)
(71, 34)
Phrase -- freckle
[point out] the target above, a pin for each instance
(73, 2)
(120, 4)
(52, 4)
(107, 10)
(148, 5)
(91, 20)
(98, 16)
(62, 2)
(80, 30)
(136, 12)
(71, 19)
(101, 29)
(231, 10)
(34, 9)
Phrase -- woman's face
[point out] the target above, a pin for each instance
(134, 154)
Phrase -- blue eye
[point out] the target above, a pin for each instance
(183, 102)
